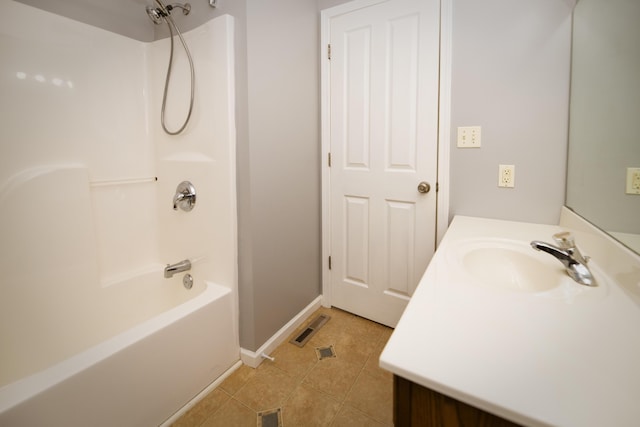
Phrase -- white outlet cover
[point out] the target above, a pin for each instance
(506, 176)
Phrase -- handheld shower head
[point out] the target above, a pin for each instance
(155, 14)
(159, 14)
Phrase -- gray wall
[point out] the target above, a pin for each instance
(511, 76)
(283, 213)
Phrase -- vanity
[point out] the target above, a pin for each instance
(498, 334)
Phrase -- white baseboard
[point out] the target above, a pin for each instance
(254, 358)
(173, 418)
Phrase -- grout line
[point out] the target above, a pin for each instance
(368, 415)
(246, 406)
(356, 380)
(336, 414)
(351, 406)
(212, 414)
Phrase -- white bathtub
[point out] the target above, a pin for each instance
(91, 333)
(139, 377)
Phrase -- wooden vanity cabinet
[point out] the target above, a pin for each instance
(418, 406)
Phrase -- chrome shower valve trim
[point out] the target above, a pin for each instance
(185, 197)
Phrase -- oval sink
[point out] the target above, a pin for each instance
(508, 269)
(508, 265)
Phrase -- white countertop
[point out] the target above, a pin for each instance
(568, 356)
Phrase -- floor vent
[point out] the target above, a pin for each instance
(271, 418)
(325, 352)
(306, 335)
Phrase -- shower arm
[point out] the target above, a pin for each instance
(166, 9)
(186, 8)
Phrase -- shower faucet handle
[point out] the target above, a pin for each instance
(185, 197)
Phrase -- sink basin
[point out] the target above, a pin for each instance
(508, 265)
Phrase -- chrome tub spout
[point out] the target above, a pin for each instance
(178, 267)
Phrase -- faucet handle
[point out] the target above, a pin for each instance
(565, 240)
(185, 196)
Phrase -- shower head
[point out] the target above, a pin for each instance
(159, 14)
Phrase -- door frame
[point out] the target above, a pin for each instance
(444, 126)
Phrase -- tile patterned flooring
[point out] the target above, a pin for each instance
(348, 390)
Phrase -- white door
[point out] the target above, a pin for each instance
(383, 143)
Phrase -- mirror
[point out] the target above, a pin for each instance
(604, 118)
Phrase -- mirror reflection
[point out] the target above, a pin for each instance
(603, 179)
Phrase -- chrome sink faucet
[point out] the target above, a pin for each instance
(178, 267)
(568, 254)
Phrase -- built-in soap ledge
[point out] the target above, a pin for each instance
(153, 271)
(122, 181)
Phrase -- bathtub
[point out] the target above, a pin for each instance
(139, 377)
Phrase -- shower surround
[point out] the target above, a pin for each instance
(87, 178)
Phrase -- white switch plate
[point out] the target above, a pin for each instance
(469, 136)
(633, 181)
(506, 176)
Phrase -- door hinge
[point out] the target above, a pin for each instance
(329, 159)
(329, 51)
(329, 262)
(437, 187)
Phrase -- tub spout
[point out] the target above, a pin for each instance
(178, 267)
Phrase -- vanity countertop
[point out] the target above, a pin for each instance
(562, 356)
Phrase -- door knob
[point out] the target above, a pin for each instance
(424, 187)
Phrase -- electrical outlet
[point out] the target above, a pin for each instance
(633, 181)
(506, 176)
(469, 136)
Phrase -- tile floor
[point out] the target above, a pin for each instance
(347, 390)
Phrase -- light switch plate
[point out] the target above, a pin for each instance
(633, 181)
(469, 136)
